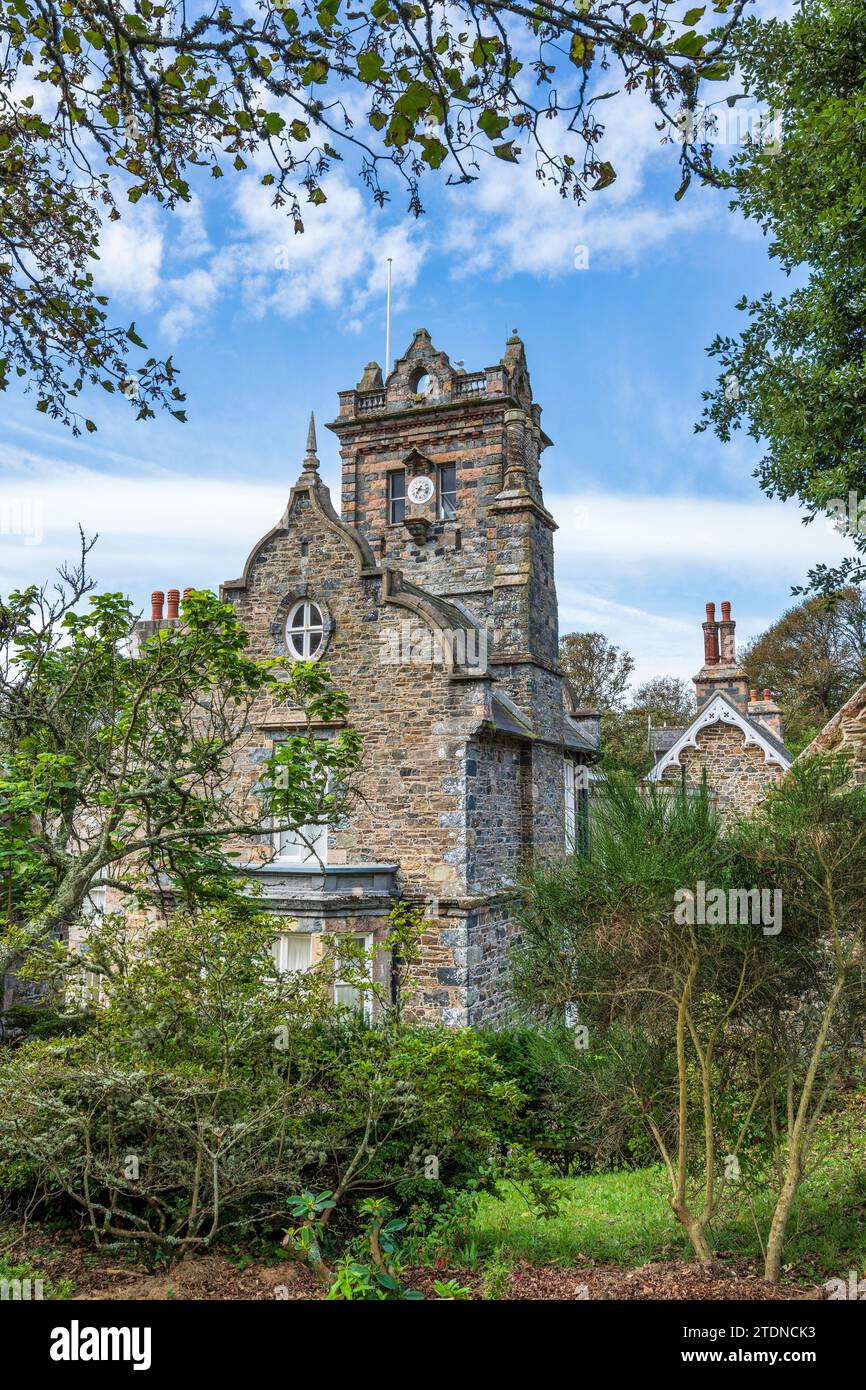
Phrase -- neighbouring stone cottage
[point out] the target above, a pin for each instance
(735, 739)
(431, 598)
(845, 733)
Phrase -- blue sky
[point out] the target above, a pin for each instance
(654, 520)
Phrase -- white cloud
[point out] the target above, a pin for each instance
(629, 531)
(340, 258)
(191, 298)
(130, 256)
(651, 561)
(511, 221)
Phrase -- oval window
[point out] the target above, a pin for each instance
(305, 631)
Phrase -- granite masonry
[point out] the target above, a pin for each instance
(734, 742)
(845, 734)
(431, 599)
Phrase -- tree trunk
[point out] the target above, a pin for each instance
(798, 1143)
(695, 1230)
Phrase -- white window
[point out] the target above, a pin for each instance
(307, 845)
(305, 631)
(350, 994)
(447, 492)
(94, 904)
(570, 804)
(396, 496)
(292, 951)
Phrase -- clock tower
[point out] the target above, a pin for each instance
(441, 476)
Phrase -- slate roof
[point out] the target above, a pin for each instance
(661, 740)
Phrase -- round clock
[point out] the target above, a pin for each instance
(420, 490)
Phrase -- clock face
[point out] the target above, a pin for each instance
(420, 490)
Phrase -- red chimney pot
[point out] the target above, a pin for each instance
(767, 695)
(173, 603)
(711, 612)
(753, 695)
(156, 601)
(726, 611)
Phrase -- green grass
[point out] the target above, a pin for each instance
(618, 1217)
(622, 1218)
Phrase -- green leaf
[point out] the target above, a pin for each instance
(433, 152)
(717, 72)
(638, 23)
(692, 16)
(581, 50)
(506, 152)
(606, 176)
(492, 124)
(689, 45)
(370, 65)
(274, 123)
(316, 71)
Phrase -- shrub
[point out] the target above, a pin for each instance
(209, 1090)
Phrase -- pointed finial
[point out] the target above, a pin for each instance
(311, 462)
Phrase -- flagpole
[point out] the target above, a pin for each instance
(388, 326)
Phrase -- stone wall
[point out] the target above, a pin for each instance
(738, 778)
(845, 733)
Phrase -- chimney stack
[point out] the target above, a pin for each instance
(156, 601)
(720, 674)
(727, 641)
(173, 604)
(711, 637)
(766, 712)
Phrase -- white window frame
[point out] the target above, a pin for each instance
(290, 848)
(291, 944)
(312, 633)
(399, 501)
(363, 1003)
(450, 513)
(570, 803)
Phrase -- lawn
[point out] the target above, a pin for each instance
(622, 1217)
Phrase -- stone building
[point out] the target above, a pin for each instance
(845, 733)
(431, 599)
(735, 739)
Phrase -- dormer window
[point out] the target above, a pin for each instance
(447, 492)
(305, 631)
(396, 496)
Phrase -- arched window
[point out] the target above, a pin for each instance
(305, 631)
